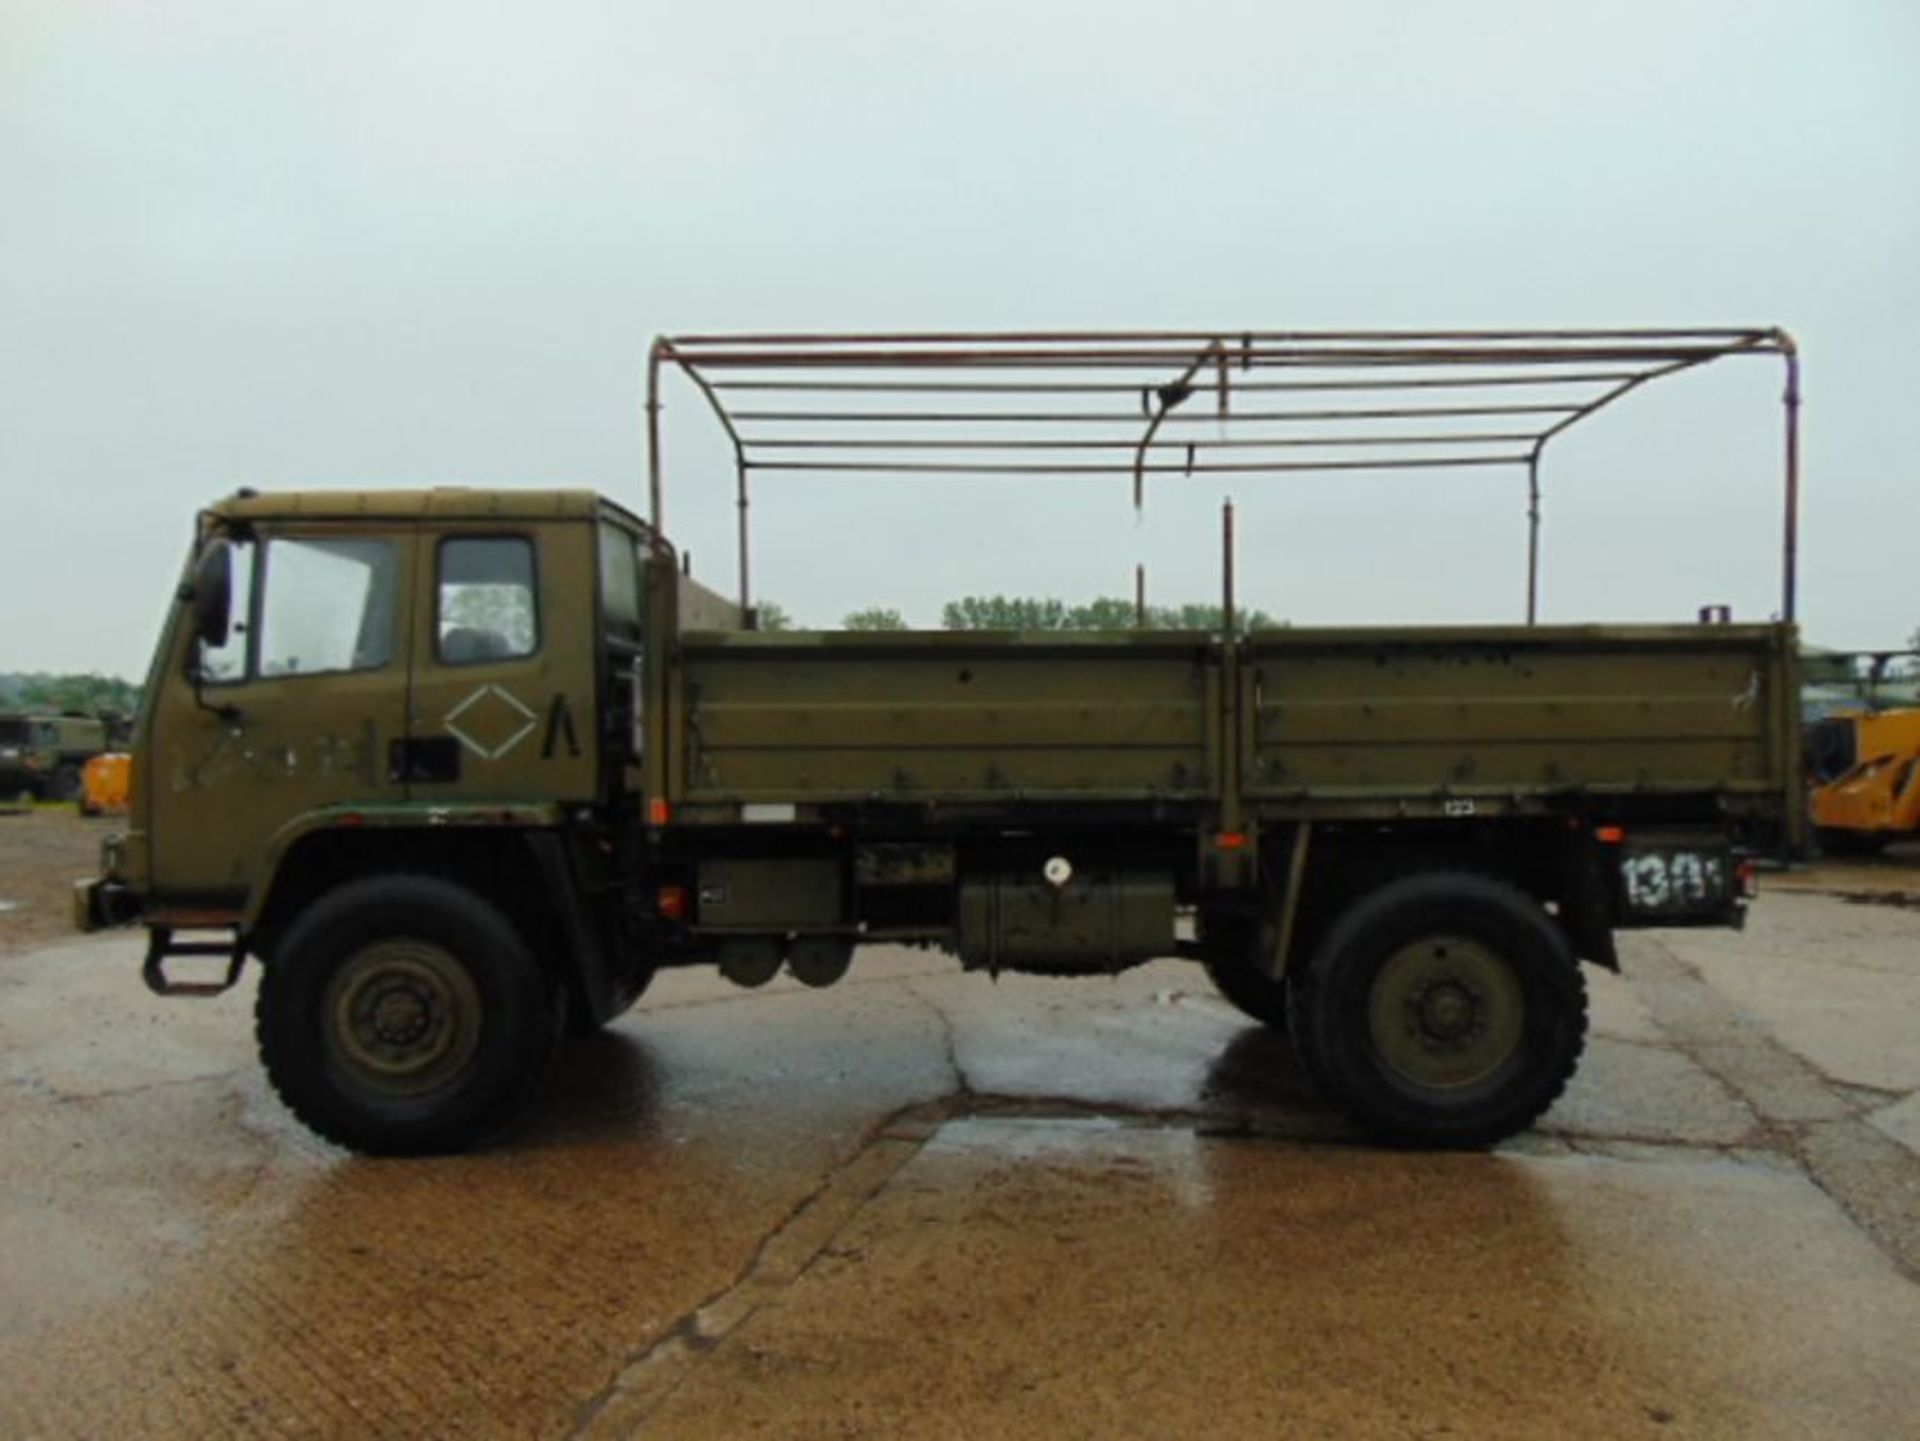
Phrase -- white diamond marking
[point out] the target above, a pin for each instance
(474, 745)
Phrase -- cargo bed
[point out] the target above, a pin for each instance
(1297, 723)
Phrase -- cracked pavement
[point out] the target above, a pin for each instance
(925, 1203)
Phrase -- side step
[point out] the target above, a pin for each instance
(162, 947)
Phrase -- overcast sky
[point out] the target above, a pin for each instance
(245, 243)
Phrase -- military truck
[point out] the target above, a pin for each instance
(464, 768)
(43, 753)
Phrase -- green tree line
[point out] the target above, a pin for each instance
(1023, 612)
(91, 693)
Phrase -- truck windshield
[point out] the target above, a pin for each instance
(13, 732)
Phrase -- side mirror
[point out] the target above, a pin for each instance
(211, 593)
(209, 599)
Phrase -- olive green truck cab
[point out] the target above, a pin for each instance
(465, 768)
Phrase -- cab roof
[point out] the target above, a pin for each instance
(439, 502)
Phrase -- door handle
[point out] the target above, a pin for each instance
(423, 760)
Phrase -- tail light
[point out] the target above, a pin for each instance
(671, 902)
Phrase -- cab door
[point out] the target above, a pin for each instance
(502, 701)
(295, 713)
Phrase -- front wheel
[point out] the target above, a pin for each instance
(1444, 1009)
(580, 1021)
(403, 1014)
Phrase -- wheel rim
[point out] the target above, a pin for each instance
(1446, 1013)
(403, 1017)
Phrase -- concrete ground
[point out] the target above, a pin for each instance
(926, 1204)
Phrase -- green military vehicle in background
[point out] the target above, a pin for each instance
(459, 765)
(43, 754)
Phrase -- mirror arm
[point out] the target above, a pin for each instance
(224, 711)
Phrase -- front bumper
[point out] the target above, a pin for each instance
(104, 902)
(107, 900)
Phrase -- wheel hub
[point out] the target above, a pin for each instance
(403, 1017)
(1446, 1012)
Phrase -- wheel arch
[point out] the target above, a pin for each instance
(1558, 867)
(524, 871)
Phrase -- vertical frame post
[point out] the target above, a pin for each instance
(1790, 538)
(746, 586)
(1226, 570)
(656, 499)
(1533, 536)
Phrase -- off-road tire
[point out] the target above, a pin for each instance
(1231, 959)
(1236, 945)
(512, 1015)
(1259, 997)
(1332, 1000)
(66, 784)
(1299, 1003)
(578, 1021)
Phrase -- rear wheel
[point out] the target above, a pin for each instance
(65, 785)
(1232, 962)
(1252, 993)
(1444, 1009)
(403, 1014)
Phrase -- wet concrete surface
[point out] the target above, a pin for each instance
(927, 1204)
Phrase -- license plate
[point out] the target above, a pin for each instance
(1677, 880)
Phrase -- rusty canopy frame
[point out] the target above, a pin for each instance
(1118, 404)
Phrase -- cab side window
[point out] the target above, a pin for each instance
(487, 604)
(328, 606)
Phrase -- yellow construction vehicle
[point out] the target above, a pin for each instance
(1864, 760)
(104, 782)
